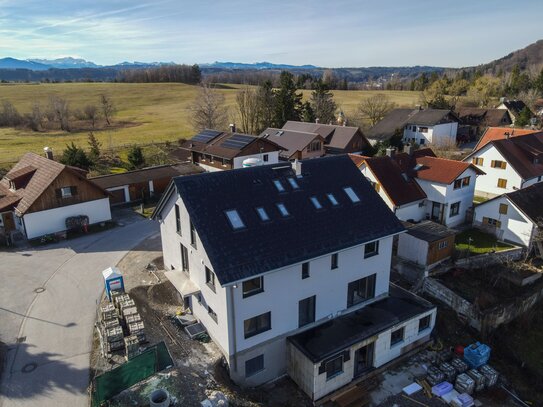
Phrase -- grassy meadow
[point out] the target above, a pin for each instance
(146, 113)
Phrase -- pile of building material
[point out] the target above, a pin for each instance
(464, 384)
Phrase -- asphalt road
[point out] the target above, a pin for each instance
(48, 301)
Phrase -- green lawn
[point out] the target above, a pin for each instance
(480, 243)
(153, 113)
(479, 199)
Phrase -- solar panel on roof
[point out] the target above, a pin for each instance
(237, 141)
(206, 136)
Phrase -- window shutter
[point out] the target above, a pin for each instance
(58, 193)
(493, 164)
(73, 190)
(347, 355)
(503, 164)
(322, 368)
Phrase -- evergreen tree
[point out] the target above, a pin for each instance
(524, 117)
(308, 115)
(95, 146)
(288, 103)
(135, 157)
(538, 83)
(266, 105)
(322, 103)
(76, 157)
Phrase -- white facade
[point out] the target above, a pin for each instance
(272, 157)
(413, 249)
(444, 133)
(41, 223)
(513, 226)
(487, 185)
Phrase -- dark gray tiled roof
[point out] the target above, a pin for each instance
(529, 200)
(428, 231)
(307, 233)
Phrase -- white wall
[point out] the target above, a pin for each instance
(54, 220)
(413, 249)
(439, 134)
(273, 158)
(412, 211)
(487, 185)
(515, 226)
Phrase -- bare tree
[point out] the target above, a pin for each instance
(108, 108)
(248, 109)
(374, 108)
(61, 111)
(208, 110)
(91, 113)
(9, 116)
(36, 117)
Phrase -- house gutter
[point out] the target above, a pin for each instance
(233, 333)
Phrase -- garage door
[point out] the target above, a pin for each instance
(117, 197)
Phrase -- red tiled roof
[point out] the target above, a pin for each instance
(358, 160)
(499, 133)
(441, 170)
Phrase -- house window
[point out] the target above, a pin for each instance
(210, 279)
(503, 209)
(361, 290)
(306, 311)
(282, 209)
(455, 209)
(235, 220)
(254, 365)
(423, 129)
(278, 185)
(334, 261)
(184, 258)
(257, 325)
(465, 181)
(442, 245)
(192, 235)
(265, 158)
(314, 146)
(498, 164)
(492, 222)
(293, 183)
(315, 202)
(502, 183)
(424, 323)
(67, 192)
(351, 194)
(334, 367)
(212, 313)
(177, 219)
(457, 183)
(396, 336)
(371, 249)
(305, 270)
(332, 199)
(477, 161)
(263, 214)
(422, 141)
(253, 286)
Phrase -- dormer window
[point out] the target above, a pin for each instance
(278, 185)
(293, 183)
(283, 210)
(315, 202)
(263, 214)
(12, 186)
(351, 194)
(332, 199)
(235, 220)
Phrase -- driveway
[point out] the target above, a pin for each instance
(48, 299)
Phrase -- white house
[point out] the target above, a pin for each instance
(38, 195)
(263, 255)
(510, 164)
(514, 217)
(215, 150)
(417, 185)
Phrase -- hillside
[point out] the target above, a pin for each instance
(528, 58)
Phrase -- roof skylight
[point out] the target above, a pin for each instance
(234, 218)
(263, 214)
(316, 202)
(351, 194)
(278, 185)
(282, 209)
(293, 183)
(332, 199)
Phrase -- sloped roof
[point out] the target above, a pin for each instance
(399, 188)
(431, 117)
(305, 234)
(523, 153)
(476, 116)
(394, 121)
(529, 200)
(217, 148)
(514, 106)
(500, 133)
(43, 172)
(290, 140)
(441, 170)
(428, 231)
(336, 136)
(145, 175)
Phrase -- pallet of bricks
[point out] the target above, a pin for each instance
(134, 325)
(110, 329)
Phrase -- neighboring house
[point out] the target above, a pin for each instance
(295, 144)
(287, 267)
(510, 164)
(500, 133)
(337, 139)
(426, 243)
(514, 217)
(216, 150)
(418, 126)
(514, 107)
(417, 185)
(474, 121)
(148, 182)
(38, 194)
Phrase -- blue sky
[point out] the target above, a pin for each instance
(325, 33)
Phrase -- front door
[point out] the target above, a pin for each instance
(436, 211)
(363, 359)
(9, 223)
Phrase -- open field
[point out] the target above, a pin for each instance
(157, 112)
